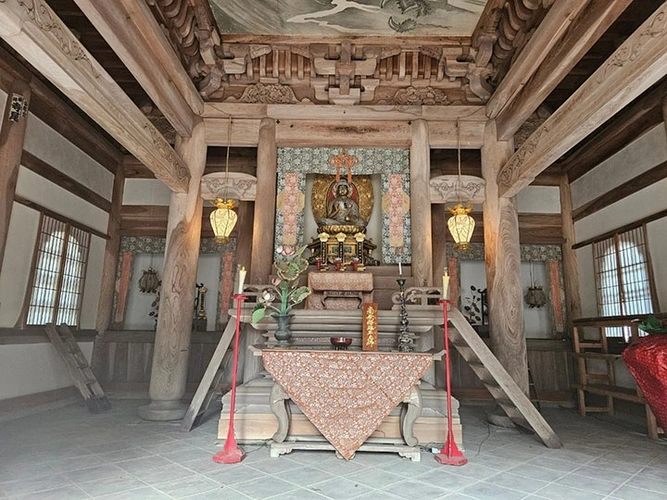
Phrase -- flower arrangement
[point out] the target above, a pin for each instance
(285, 287)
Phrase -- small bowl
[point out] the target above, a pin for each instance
(341, 343)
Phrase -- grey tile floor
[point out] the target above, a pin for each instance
(69, 454)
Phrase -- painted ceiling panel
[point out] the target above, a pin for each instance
(348, 17)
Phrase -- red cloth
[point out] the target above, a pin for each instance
(647, 361)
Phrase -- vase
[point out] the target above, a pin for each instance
(283, 334)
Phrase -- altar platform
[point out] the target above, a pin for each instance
(255, 421)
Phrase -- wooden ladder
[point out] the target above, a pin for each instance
(499, 383)
(208, 387)
(79, 369)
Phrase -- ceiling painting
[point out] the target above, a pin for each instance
(348, 17)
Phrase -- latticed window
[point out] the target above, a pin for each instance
(60, 270)
(623, 278)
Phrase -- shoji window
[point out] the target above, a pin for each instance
(59, 274)
(622, 276)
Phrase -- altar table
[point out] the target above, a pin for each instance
(339, 290)
(346, 394)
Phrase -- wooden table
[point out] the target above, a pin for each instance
(339, 290)
(346, 395)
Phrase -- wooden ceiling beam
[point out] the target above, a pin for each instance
(35, 32)
(58, 114)
(636, 119)
(637, 64)
(546, 37)
(584, 31)
(133, 33)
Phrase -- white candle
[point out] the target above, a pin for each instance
(400, 269)
(445, 286)
(242, 273)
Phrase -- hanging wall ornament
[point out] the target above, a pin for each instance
(149, 281)
(535, 296)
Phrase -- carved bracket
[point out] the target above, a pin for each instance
(449, 188)
(233, 185)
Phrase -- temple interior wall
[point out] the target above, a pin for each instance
(31, 366)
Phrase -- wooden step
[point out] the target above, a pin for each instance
(82, 376)
(506, 392)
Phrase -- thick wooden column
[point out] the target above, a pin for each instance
(12, 135)
(265, 203)
(439, 231)
(570, 267)
(109, 269)
(172, 339)
(244, 233)
(503, 271)
(420, 205)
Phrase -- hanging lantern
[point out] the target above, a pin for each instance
(149, 281)
(223, 220)
(461, 225)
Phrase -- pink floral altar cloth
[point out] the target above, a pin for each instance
(346, 395)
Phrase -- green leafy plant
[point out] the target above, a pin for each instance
(285, 287)
(651, 324)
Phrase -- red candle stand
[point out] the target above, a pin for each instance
(450, 453)
(231, 453)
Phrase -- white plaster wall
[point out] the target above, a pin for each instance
(537, 322)
(587, 291)
(21, 238)
(93, 284)
(50, 195)
(139, 304)
(630, 209)
(146, 192)
(539, 199)
(45, 143)
(33, 368)
(657, 242)
(3, 101)
(641, 155)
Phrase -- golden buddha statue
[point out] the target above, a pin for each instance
(342, 214)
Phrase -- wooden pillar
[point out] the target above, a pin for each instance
(439, 232)
(420, 205)
(12, 135)
(502, 255)
(265, 203)
(172, 338)
(570, 267)
(244, 234)
(109, 268)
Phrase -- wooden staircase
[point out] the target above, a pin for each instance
(80, 371)
(207, 390)
(499, 383)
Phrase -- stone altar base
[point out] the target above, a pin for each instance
(254, 420)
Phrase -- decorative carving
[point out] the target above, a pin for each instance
(467, 188)
(268, 94)
(509, 29)
(510, 171)
(530, 126)
(181, 172)
(427, 96)
(45, 19)
(656, 28)
(239, 186)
